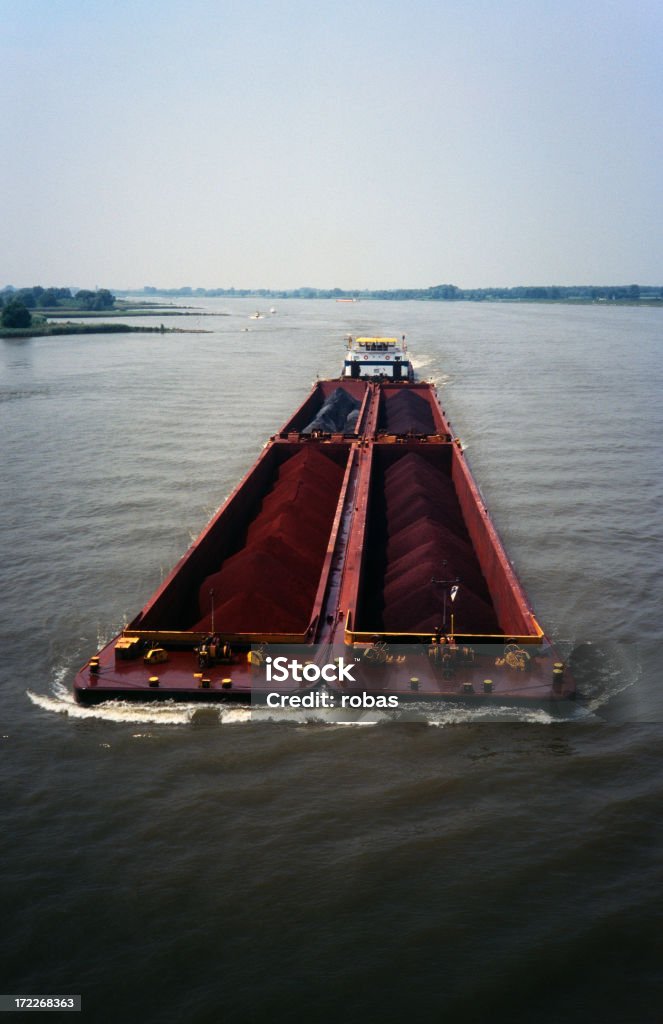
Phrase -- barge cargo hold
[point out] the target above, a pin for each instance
(359, 537)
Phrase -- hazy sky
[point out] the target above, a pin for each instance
(332, 144)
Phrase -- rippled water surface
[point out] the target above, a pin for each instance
(176, 864)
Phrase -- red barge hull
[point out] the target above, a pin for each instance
(368, 542)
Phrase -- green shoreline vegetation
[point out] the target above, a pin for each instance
(621, 294)
(40, 329)
(29, 312)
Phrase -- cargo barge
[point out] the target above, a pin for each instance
(358, 553)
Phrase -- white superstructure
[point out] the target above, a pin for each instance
(377, 357)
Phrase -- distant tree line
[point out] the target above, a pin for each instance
(16, 304)
(436, 293)
(52, 298)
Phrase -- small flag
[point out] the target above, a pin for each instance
(454, 591)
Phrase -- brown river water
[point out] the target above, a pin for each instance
(175, 863)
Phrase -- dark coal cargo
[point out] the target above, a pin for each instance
(338, 415)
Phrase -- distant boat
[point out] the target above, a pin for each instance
(272, 310)
(347, 300)
(257, 315)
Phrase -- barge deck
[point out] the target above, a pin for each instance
(359, 538)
